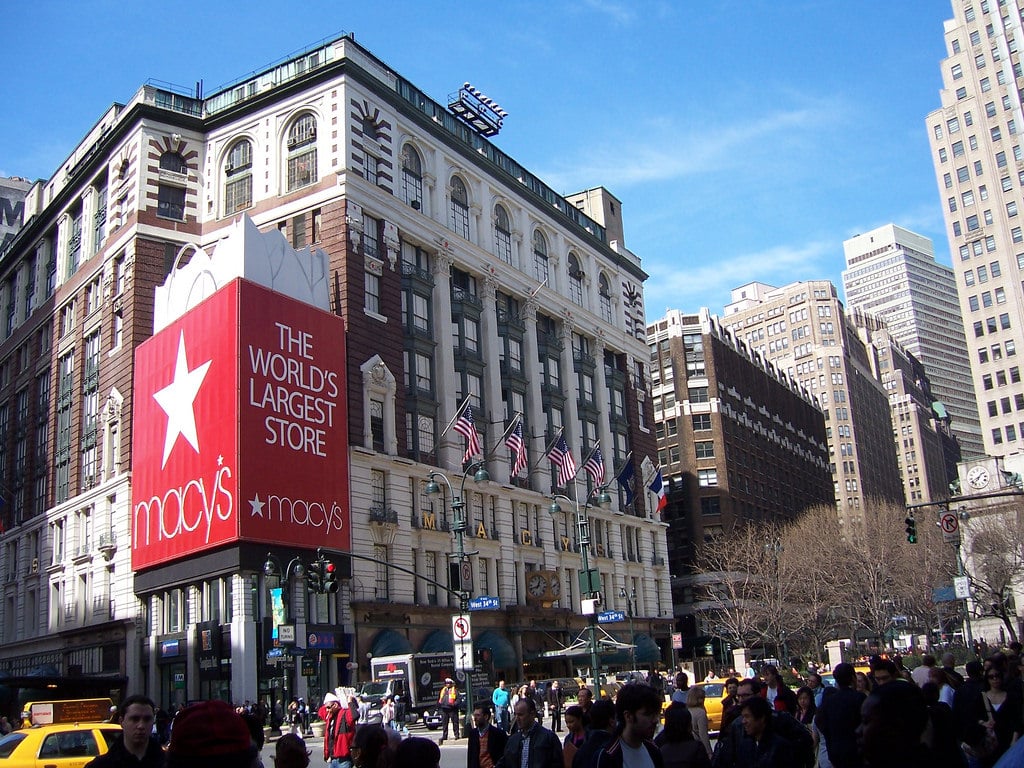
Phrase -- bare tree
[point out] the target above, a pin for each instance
(737, 596)
(816, 558)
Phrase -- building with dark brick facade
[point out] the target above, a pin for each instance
(739, 441)
(458, 273)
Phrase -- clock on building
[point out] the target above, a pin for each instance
(977, 477)
(536, 584)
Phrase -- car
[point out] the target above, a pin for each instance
(62, 745)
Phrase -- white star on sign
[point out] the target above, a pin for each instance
(177, 400)
(257, 506)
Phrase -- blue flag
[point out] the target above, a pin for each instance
(625, 481)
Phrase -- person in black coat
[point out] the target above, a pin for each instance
(599, 735)
(484, 733)
(839, 717)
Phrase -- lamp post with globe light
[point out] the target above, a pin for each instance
(590, 580)
(460, 570)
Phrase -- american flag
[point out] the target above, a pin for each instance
(517, 445)
(594, 465)
(466, 427)
(561, 458)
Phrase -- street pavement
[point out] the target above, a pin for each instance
(453, 753)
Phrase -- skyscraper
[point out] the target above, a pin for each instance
(892, 274)
(979, 165)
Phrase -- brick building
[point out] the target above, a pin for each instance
(458, 274)
(723, 416)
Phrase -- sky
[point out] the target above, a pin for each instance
(746, 141)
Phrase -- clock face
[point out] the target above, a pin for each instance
(977, 477)
(556, 588)
(536, 585)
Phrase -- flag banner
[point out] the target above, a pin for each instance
(658, 487)
(594, 465)
(517, 445)
(466, 427)
(625, 481)
(562, 458)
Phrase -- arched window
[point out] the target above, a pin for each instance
(238, 177)
(575, 279)
(502, 235)
(412, 177)
(458, 214)
(540, 256)
(605, 292)
(302, 169)
(171, 189)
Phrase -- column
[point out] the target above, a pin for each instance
(531, 366)
(604, 429)
(448, 452)
(492, 376)
(570, 386)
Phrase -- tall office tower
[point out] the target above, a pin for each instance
(802, 330)
(892, 274)
(460, 277)
(925, 447)
(721, 415)
(979, 166)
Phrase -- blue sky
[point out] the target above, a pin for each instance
(745, 140)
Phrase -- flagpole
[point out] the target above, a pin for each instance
(458, 412)
(622, 466)
(511, 426)
(547, 450)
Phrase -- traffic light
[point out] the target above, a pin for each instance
(911, 529)
(330, 577)
(315, 577)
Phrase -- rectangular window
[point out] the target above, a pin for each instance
(704, 449)
(707, 478)
(701, 422)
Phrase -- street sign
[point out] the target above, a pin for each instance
(464, 655)
(460, 628)
(962, 587)
(950, 526)
(286, 633)
(606, 617)
(462, 639)
(677, 640)
(485, 603)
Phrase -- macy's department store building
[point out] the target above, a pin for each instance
(139, 519)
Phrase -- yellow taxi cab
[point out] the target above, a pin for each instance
(62, 736)
(714, 692)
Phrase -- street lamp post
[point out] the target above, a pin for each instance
(590, 580)
(964, 515)
(460, 524)
(630, 602)
(272, 567)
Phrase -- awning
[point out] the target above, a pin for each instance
(388, 642)
(647, 650)
(438, 641)
(502, 653)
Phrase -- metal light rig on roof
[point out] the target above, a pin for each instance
(477, 111)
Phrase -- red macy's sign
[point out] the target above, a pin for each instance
(240, 429)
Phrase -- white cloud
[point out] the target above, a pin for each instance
(670, 151)
(619, 13)
(708, 283)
